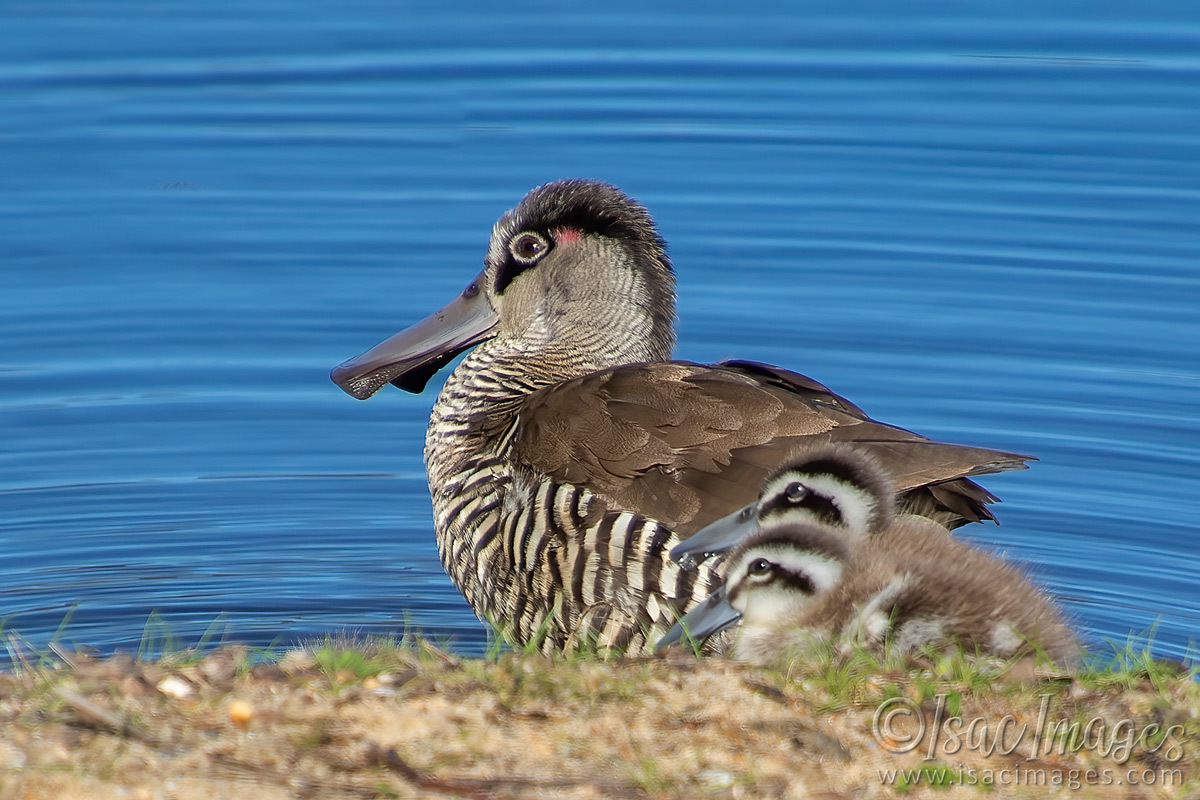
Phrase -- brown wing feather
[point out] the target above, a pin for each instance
(687, 443)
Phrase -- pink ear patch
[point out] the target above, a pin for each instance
(567, 235)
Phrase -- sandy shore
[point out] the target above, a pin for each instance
(414, 721)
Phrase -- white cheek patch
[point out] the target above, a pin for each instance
(771, 607)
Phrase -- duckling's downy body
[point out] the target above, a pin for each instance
(566, 454)
(901, 584)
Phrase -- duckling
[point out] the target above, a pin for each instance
(902, 587)
(567, 454)
(836, 486)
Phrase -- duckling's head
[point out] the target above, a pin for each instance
(837, 486)
(575, 275)
(772, 577)
(778, 572)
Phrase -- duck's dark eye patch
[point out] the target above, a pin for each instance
(525, 249)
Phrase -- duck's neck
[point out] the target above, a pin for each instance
(486, 389)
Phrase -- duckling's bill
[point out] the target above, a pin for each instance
(717, 537)
(710, 617)
(411, 357)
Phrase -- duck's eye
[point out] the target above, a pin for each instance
(796, 492)
(759, 566)
(471, 290)
(529, 247)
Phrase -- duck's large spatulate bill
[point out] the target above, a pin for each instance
(410, 358)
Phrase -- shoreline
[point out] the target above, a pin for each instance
(367, 720)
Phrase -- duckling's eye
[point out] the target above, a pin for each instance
(796, 492)
(759, 566)
(528, 247)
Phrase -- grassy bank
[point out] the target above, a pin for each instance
(406, 720)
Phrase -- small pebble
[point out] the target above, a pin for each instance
(714, 780)
(240, 713)
(176, 687)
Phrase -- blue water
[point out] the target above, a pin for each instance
(979, 223)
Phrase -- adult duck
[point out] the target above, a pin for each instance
(567, 454)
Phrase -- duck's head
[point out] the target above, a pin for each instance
(773, 576)
(576, 273)
(836, 486)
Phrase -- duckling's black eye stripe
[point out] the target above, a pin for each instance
(795, 580)
(820, 506)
